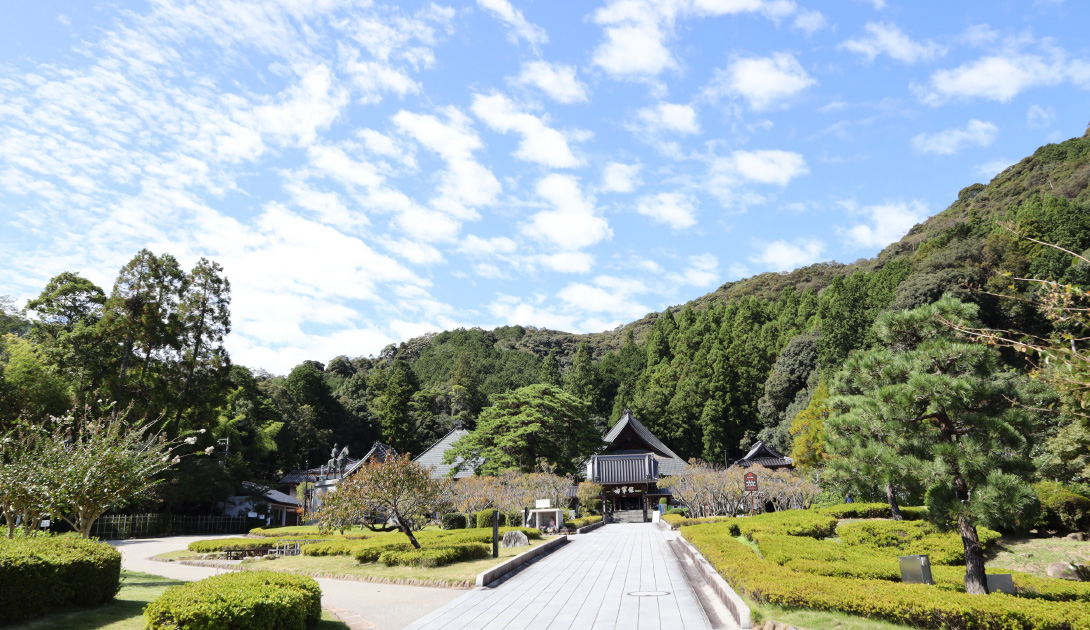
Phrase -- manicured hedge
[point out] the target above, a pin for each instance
(577, 523)
(872, 510)
(42, 574)
(454, 520)
(254, 600)
(371, 550)
(676, 520)
(1061, 509)
(306, 531)
(244, 544)
(913, 537)
(435, 556)
(914, 604)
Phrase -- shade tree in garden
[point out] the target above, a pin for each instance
(929, 397)
(526, 426)
(395, 494)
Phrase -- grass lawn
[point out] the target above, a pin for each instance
(1033, 555)
(459, 574)
(126, 612)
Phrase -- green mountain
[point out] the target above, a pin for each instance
(715, 372)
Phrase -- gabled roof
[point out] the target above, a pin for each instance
(624, 468)
(379, 452)
(628, 420)
(764, 455)
(668, 461)
(433, 457)
(272, 496)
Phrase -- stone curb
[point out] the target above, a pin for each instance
(502, 569)
(353, 620)
(726, 594)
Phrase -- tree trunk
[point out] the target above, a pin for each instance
(894, 509)
(975, 581)
(406, 530)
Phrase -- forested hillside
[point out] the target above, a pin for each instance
(708, 376)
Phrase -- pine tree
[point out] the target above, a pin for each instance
(550, 371)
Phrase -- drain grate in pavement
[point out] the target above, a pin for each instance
(649, 593)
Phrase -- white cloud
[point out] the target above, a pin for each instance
(1038, 117)
(669, 117)
(810, 21)
(976, 133)
(622, 178)
(888, 222)
(674, 209)
(608, 295)
(991, 168)
(783, 255)
(519, 27)
(566, 262)
(703, 271)
(762, 81)
(573, 223)
(540, 143)
(770, 166)
(477, 246)
(1001, 77)
(886, 38)
(465, 184)
(556, 80)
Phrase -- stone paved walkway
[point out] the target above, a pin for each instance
(588, 583)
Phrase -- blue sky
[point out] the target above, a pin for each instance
(368, 172)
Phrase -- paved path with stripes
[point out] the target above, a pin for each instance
(602, 580)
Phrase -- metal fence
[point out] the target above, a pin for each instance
(114, 526)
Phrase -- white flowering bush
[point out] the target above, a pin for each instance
(78, 469)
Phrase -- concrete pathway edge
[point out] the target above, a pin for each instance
(734, 603)
(491, 575)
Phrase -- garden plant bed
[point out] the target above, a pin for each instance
(457, 575)
(126, 612)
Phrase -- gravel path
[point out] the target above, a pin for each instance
(364, 605)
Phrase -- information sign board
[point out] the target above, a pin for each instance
(751, 482)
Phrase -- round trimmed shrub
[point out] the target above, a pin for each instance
(484, 518)
(256, 600)
(454, 520)
(42, 574)
(1061, 509)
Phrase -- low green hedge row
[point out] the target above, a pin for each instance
(484, 518)
(872, 510)
(255, 600)
(243, 544)
(913, 604)
(305, 531)
(913, 537)
(577, 523)
(789, 523)
(42, 574)
(371, 549)
(428, 557)
(676, 520)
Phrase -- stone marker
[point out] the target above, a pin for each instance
(514, 539)
(1079, 536)
(1067, 571)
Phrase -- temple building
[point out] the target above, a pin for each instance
(629, 468)
(762, 454)
(433, 457)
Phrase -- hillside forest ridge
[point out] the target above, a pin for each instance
(755, 359)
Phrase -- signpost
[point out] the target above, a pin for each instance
(751, 488)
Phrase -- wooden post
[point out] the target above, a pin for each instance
(495, 533)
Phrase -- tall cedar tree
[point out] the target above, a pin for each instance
(939, 401)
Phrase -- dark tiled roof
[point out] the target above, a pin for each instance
(764, 455)
(433, 457)
(668, 461)
(272, 496)
(624, 468)
(296, 477)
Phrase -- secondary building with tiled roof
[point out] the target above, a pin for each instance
(433, 457)
(762, 454)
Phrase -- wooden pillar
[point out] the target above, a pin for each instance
(644, 503)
